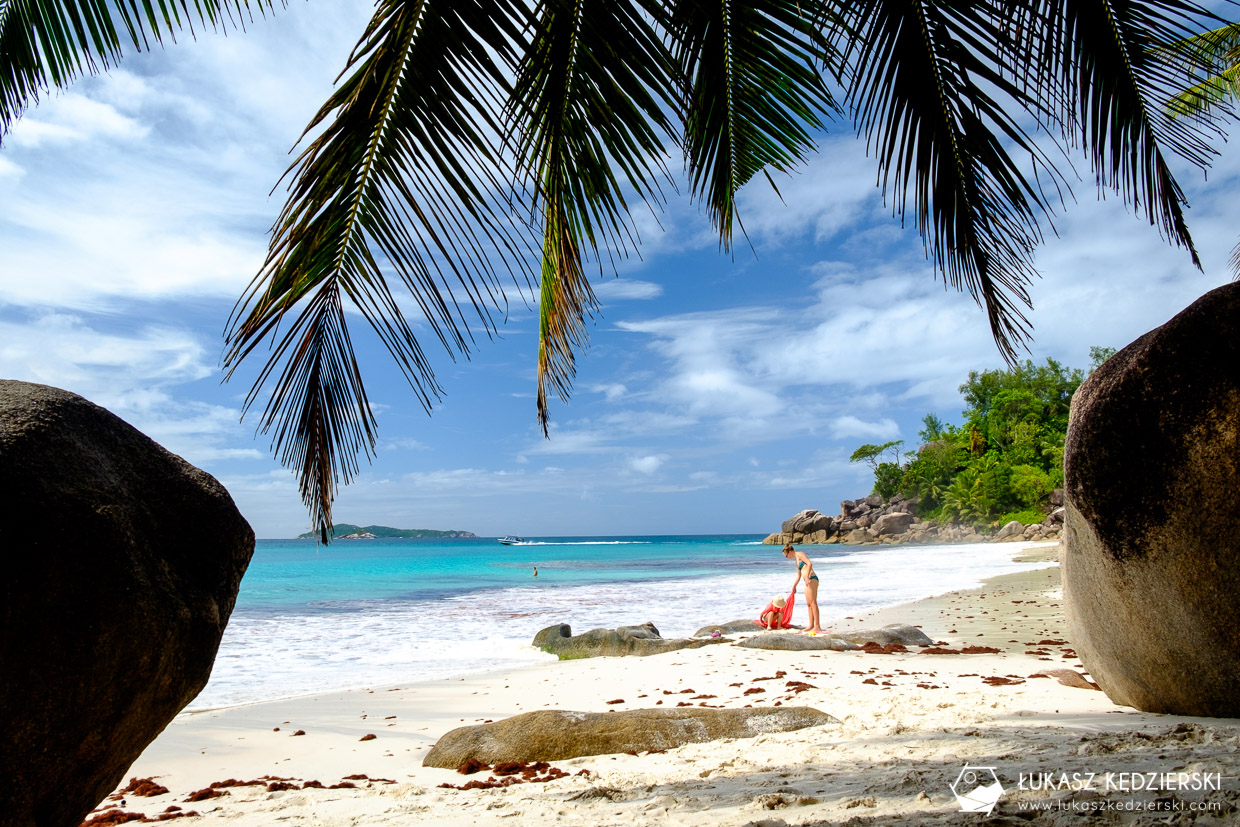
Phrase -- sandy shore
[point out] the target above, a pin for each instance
(908, 725)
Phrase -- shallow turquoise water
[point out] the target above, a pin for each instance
(291, 575)
(373, 612)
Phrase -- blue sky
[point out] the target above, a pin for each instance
(719, 394)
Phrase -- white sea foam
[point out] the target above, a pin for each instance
(265, 656)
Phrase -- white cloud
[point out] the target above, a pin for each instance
(710, 352)
(170, 242)
(70, 117)
(136, 375)
(404, 444)
(565, 441)
(647, 464)
(611, 391)
(850, 426)
(626, 289)
(832, 191)
(477, 481)
(63, 351)
(152, 181)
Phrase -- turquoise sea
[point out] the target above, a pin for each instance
(363, 613)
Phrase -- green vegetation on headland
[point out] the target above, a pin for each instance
(347, 531)
(1005, 460)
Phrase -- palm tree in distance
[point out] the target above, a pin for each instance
(477, 146)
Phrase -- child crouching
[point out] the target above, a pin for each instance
(777, 614)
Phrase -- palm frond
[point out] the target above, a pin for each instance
(50, 43)
(1103, 58)
(928, 81)
(590, 107)
(406, 166)
(1209, 64)
(754, 96)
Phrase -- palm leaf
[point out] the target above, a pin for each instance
(405, 166)
(50, 43)
(589, 109)
(1210, 64)
(754, 96)
(928, 79)
(1102, 59)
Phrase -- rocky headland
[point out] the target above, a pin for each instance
(873, 520)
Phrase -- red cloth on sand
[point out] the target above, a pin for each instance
(785, 614)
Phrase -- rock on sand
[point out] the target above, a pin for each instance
(555, 735)
(121, 565)
(1151, 561)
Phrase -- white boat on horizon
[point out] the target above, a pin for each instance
(511, 540)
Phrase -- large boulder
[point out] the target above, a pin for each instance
(556, 735)
(895, 523)
(1151, 556)
(857, 535)
(806, 522)
(624, 640)
(121, 566)
(1011, 531)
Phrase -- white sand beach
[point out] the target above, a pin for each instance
(909, 723)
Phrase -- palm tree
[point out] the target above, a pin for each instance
(477, 144)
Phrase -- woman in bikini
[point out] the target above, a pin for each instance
(805, 571)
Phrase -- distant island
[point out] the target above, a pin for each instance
(347, 531)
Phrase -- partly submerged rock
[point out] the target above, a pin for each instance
(555, 735)
(121, 565)
(624, 640)
(1151, 558)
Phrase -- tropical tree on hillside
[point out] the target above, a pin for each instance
(476, 146)
(1007, 458)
